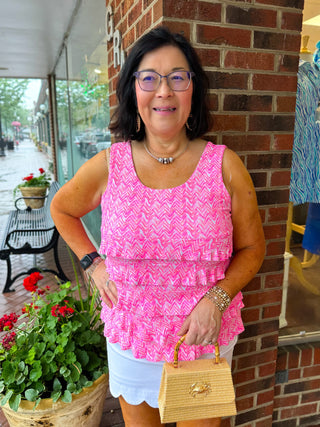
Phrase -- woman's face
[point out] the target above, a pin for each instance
(164, 111)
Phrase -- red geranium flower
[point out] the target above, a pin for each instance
(28, 178)
(41, 170)
(8, 340)
(65, 311)
(55, 310)
(7, 321)
(30, 282)
(35, 277)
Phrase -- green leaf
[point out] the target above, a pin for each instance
(51, 336)
(37, 403)
(40, 347)
(82, 357)
(14, 402)
(6, 397)
(55, 395)
(21, 366)
(56, 385)
(36, 372)
(1, 386)
(31, 356)
(88, 384)
(70, 347)
(39, 387)
(51, 322)
(94, 361)
(20, 378)
(66, 397)
(48, 356)
(75, 371)
(59, 349)
(64, 371)
(53, 367)
(31, 394)
(88, 337)
(62, 340)
(70, 358)
(8, 372)
(71, 387)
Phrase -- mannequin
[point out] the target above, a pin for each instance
(305, 172)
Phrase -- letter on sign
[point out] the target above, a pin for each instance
(118, 54)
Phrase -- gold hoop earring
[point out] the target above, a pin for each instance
(138, 124)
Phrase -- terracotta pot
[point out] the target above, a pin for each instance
(34, 191)
(85, 410)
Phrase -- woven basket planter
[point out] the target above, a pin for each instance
(36, 192)
(85, 410)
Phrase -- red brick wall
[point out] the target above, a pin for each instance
(297, 390)
(132, 19)
(250, 50)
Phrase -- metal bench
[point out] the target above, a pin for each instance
(30, 231)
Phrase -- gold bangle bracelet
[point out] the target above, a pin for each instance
(219, 297)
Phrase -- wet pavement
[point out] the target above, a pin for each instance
(15, 165)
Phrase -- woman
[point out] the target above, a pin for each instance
(180, 226)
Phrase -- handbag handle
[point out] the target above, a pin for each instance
(176, 351)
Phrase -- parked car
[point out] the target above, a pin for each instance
(93, 143)
(103, 141)
(77, 140)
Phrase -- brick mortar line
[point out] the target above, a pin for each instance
(234, 26)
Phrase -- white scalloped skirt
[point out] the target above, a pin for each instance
(138, 380)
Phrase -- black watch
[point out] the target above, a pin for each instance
(87, 260)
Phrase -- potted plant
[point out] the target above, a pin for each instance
(53, 356)
(34, 186)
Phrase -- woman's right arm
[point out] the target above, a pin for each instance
(75, 199)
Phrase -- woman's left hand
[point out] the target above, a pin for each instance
(202, 326)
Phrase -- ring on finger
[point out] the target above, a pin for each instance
(107, 283)
(208, 342)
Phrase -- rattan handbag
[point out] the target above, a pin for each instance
(197, 389)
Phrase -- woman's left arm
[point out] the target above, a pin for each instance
(203, 323)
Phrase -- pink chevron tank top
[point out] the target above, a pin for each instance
(164, 249)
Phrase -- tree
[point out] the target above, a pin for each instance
(11, 101)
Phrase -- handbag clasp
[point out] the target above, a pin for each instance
(199, 388)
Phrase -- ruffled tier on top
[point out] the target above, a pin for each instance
(154, 338)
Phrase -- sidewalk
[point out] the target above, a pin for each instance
(13, 167)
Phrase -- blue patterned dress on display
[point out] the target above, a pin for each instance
(305, 171)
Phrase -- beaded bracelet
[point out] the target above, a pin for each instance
(219, 297)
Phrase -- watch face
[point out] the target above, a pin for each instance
(87, 260)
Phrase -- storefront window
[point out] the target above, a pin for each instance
(62, 98)
(300, 318)
(82, 97)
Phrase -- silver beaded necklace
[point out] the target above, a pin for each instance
(165, 160)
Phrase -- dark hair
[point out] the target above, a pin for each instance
(123, 122)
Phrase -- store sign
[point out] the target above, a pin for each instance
(112, 34)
